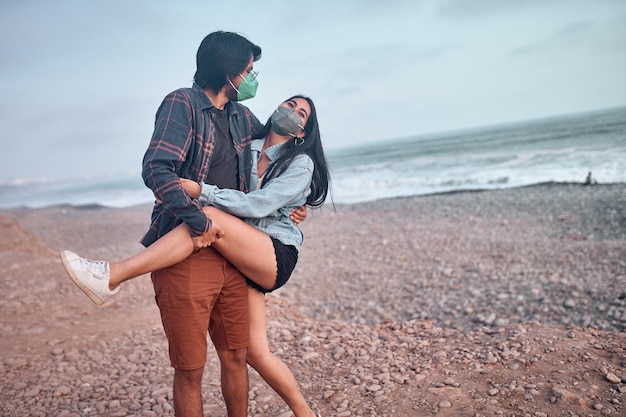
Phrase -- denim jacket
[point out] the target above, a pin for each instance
(268, 208)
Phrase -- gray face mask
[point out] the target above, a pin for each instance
(286, 122)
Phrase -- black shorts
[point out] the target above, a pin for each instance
(286, 259)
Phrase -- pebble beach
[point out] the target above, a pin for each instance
(484, 303)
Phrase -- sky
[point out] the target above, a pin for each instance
(81, 80)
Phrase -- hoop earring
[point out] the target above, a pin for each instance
(298, 142)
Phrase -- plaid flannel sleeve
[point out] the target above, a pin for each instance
(171, 140)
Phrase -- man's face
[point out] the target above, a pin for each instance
(232, 92)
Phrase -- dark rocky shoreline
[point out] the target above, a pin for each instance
(488, 303)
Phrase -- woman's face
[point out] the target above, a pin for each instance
(301, 106)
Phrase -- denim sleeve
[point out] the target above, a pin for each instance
(162, 161)
(291, 186)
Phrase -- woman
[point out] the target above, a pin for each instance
(289, 170)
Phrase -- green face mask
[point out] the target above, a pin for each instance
(247, 88)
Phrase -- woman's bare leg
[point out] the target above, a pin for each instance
(249, 249)
(169, 250)
(271, 369)
(246, 247)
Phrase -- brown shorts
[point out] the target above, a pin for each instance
(203, 293)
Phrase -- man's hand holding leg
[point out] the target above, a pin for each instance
(207, 239)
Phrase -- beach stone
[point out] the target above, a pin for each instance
(611, 377)
(57, 351)
(16, 362)
(569, 303)
(327, 394)
(20, 385)
(62, 390)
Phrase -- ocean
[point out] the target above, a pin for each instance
(558, 149)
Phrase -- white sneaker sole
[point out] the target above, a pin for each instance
(88, 292)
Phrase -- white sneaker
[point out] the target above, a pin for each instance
(92, 277)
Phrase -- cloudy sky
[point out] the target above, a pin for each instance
(81, 80)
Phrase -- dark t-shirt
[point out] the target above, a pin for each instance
(223, 169)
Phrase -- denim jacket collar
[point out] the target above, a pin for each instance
(273, 152)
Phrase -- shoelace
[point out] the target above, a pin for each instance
(99, 269)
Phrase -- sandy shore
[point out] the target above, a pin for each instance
(509, 303)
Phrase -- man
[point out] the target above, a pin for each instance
(203, 134)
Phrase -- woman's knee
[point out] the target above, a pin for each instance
(257, 354)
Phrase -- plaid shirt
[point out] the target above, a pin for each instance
(181, 147)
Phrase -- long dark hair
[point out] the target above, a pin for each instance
(311, 146)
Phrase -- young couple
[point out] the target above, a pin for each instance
(229, 193)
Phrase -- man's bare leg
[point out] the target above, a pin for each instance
(188, 393)
(234, 374)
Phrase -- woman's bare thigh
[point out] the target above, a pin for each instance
(246, 247)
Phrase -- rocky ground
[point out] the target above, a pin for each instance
(497, 303)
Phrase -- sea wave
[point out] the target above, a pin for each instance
(562, 149)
